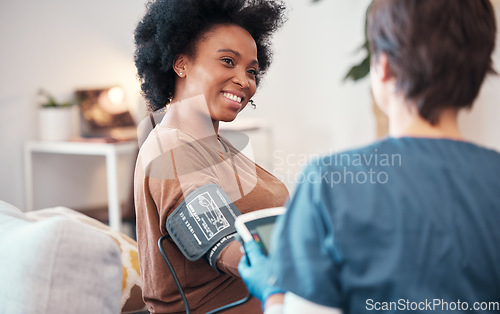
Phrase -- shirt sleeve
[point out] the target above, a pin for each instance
(176, 173)
(179, 168)
(304, 259)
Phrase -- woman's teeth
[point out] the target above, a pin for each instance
(232, 97)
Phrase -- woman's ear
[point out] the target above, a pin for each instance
(180, 65)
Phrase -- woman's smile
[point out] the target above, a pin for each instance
(233, 97)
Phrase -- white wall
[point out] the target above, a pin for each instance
(482, 124)
(63, 45)
(59, 45)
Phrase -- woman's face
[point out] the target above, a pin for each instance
(223, 70)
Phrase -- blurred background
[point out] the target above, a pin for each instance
(304, 105)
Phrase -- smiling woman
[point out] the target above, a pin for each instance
(202, 59)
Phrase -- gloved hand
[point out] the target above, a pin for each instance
(256, 274)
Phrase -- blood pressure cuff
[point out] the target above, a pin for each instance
(203, 224)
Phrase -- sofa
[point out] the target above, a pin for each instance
(58, 260)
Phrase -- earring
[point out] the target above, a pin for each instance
(180, 74)
(254, 106)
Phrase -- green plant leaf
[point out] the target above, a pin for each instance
(51, 102)
(359, 71)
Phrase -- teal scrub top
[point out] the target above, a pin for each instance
(403, 224)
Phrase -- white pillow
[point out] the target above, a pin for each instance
(56, 265)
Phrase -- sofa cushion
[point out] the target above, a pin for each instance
(56, 265)
(131, 297)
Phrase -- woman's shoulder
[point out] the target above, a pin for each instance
(170, 138)
(164, 141)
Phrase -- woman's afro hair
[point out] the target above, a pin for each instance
(172, 27)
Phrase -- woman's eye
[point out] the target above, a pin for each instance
(252, 72)
(228, 61)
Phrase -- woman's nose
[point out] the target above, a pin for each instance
(241, 79)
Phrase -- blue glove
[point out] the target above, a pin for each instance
(256, 274)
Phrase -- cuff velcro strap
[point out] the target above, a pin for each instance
(204, 220)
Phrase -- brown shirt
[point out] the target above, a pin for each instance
(171, 164)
